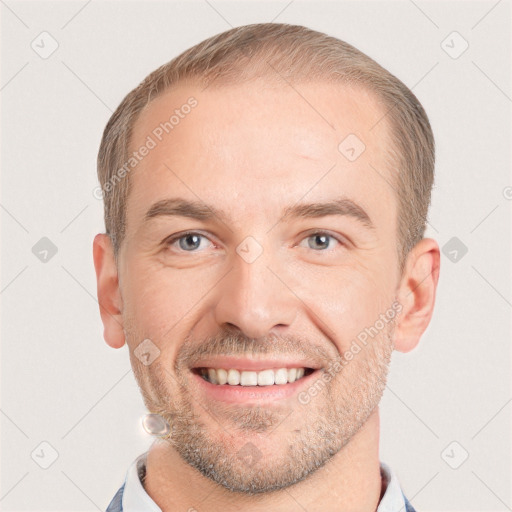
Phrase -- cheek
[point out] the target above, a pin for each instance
(160, 298)
(346, 300)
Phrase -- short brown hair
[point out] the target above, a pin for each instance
(297, 54)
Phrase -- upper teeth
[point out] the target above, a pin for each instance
(248, 378)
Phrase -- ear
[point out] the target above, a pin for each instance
(109, 296)
(417, 293)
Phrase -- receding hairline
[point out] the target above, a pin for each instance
(193, 84)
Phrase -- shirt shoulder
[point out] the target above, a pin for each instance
(116, 503)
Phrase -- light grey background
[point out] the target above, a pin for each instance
(62, 384)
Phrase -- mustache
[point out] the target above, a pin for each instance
(232, 342)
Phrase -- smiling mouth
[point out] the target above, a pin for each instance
(244, 378)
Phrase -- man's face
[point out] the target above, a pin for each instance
(252, 284)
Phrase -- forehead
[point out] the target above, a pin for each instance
(259, 146)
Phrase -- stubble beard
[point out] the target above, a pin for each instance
(222, 443)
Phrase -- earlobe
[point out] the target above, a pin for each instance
(417, 292)
(109, 296)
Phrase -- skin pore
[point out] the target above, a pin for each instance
(249, 151)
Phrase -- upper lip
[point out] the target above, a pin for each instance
(240, 363)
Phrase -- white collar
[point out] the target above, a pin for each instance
(136, 499)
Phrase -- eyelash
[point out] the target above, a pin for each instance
(179, 236)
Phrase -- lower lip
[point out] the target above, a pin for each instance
(250, 394)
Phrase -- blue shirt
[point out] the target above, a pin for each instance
(132, 497)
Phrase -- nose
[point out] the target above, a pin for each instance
(255, 299)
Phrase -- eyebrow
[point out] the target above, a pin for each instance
(342, 206)
(201, 211)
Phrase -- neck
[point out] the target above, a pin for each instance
(349, 481)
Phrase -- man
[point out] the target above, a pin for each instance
(266, 194)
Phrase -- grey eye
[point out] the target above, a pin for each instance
(320, 241)
(189, 242)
